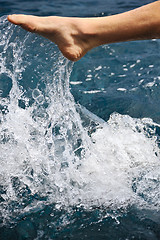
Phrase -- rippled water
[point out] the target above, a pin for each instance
(65, 172)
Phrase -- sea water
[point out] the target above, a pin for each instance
(66, 173)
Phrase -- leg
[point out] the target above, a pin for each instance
(76, 36)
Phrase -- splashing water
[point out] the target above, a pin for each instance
(47, 156)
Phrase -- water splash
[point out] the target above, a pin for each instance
(48, 156)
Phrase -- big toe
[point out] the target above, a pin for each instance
(17, 19)
(25, 21)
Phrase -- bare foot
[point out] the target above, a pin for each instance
(67, 33)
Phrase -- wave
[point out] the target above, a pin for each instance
(54, 151)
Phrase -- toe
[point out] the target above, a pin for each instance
(25, 21)
(16, 19)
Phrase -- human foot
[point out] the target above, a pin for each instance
(76, 36)
(67, 33)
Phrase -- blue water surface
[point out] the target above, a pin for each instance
(122, 78)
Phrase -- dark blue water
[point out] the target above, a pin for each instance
(116, 200)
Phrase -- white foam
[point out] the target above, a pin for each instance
(122, 89)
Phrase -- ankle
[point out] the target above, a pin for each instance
(86, 31)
